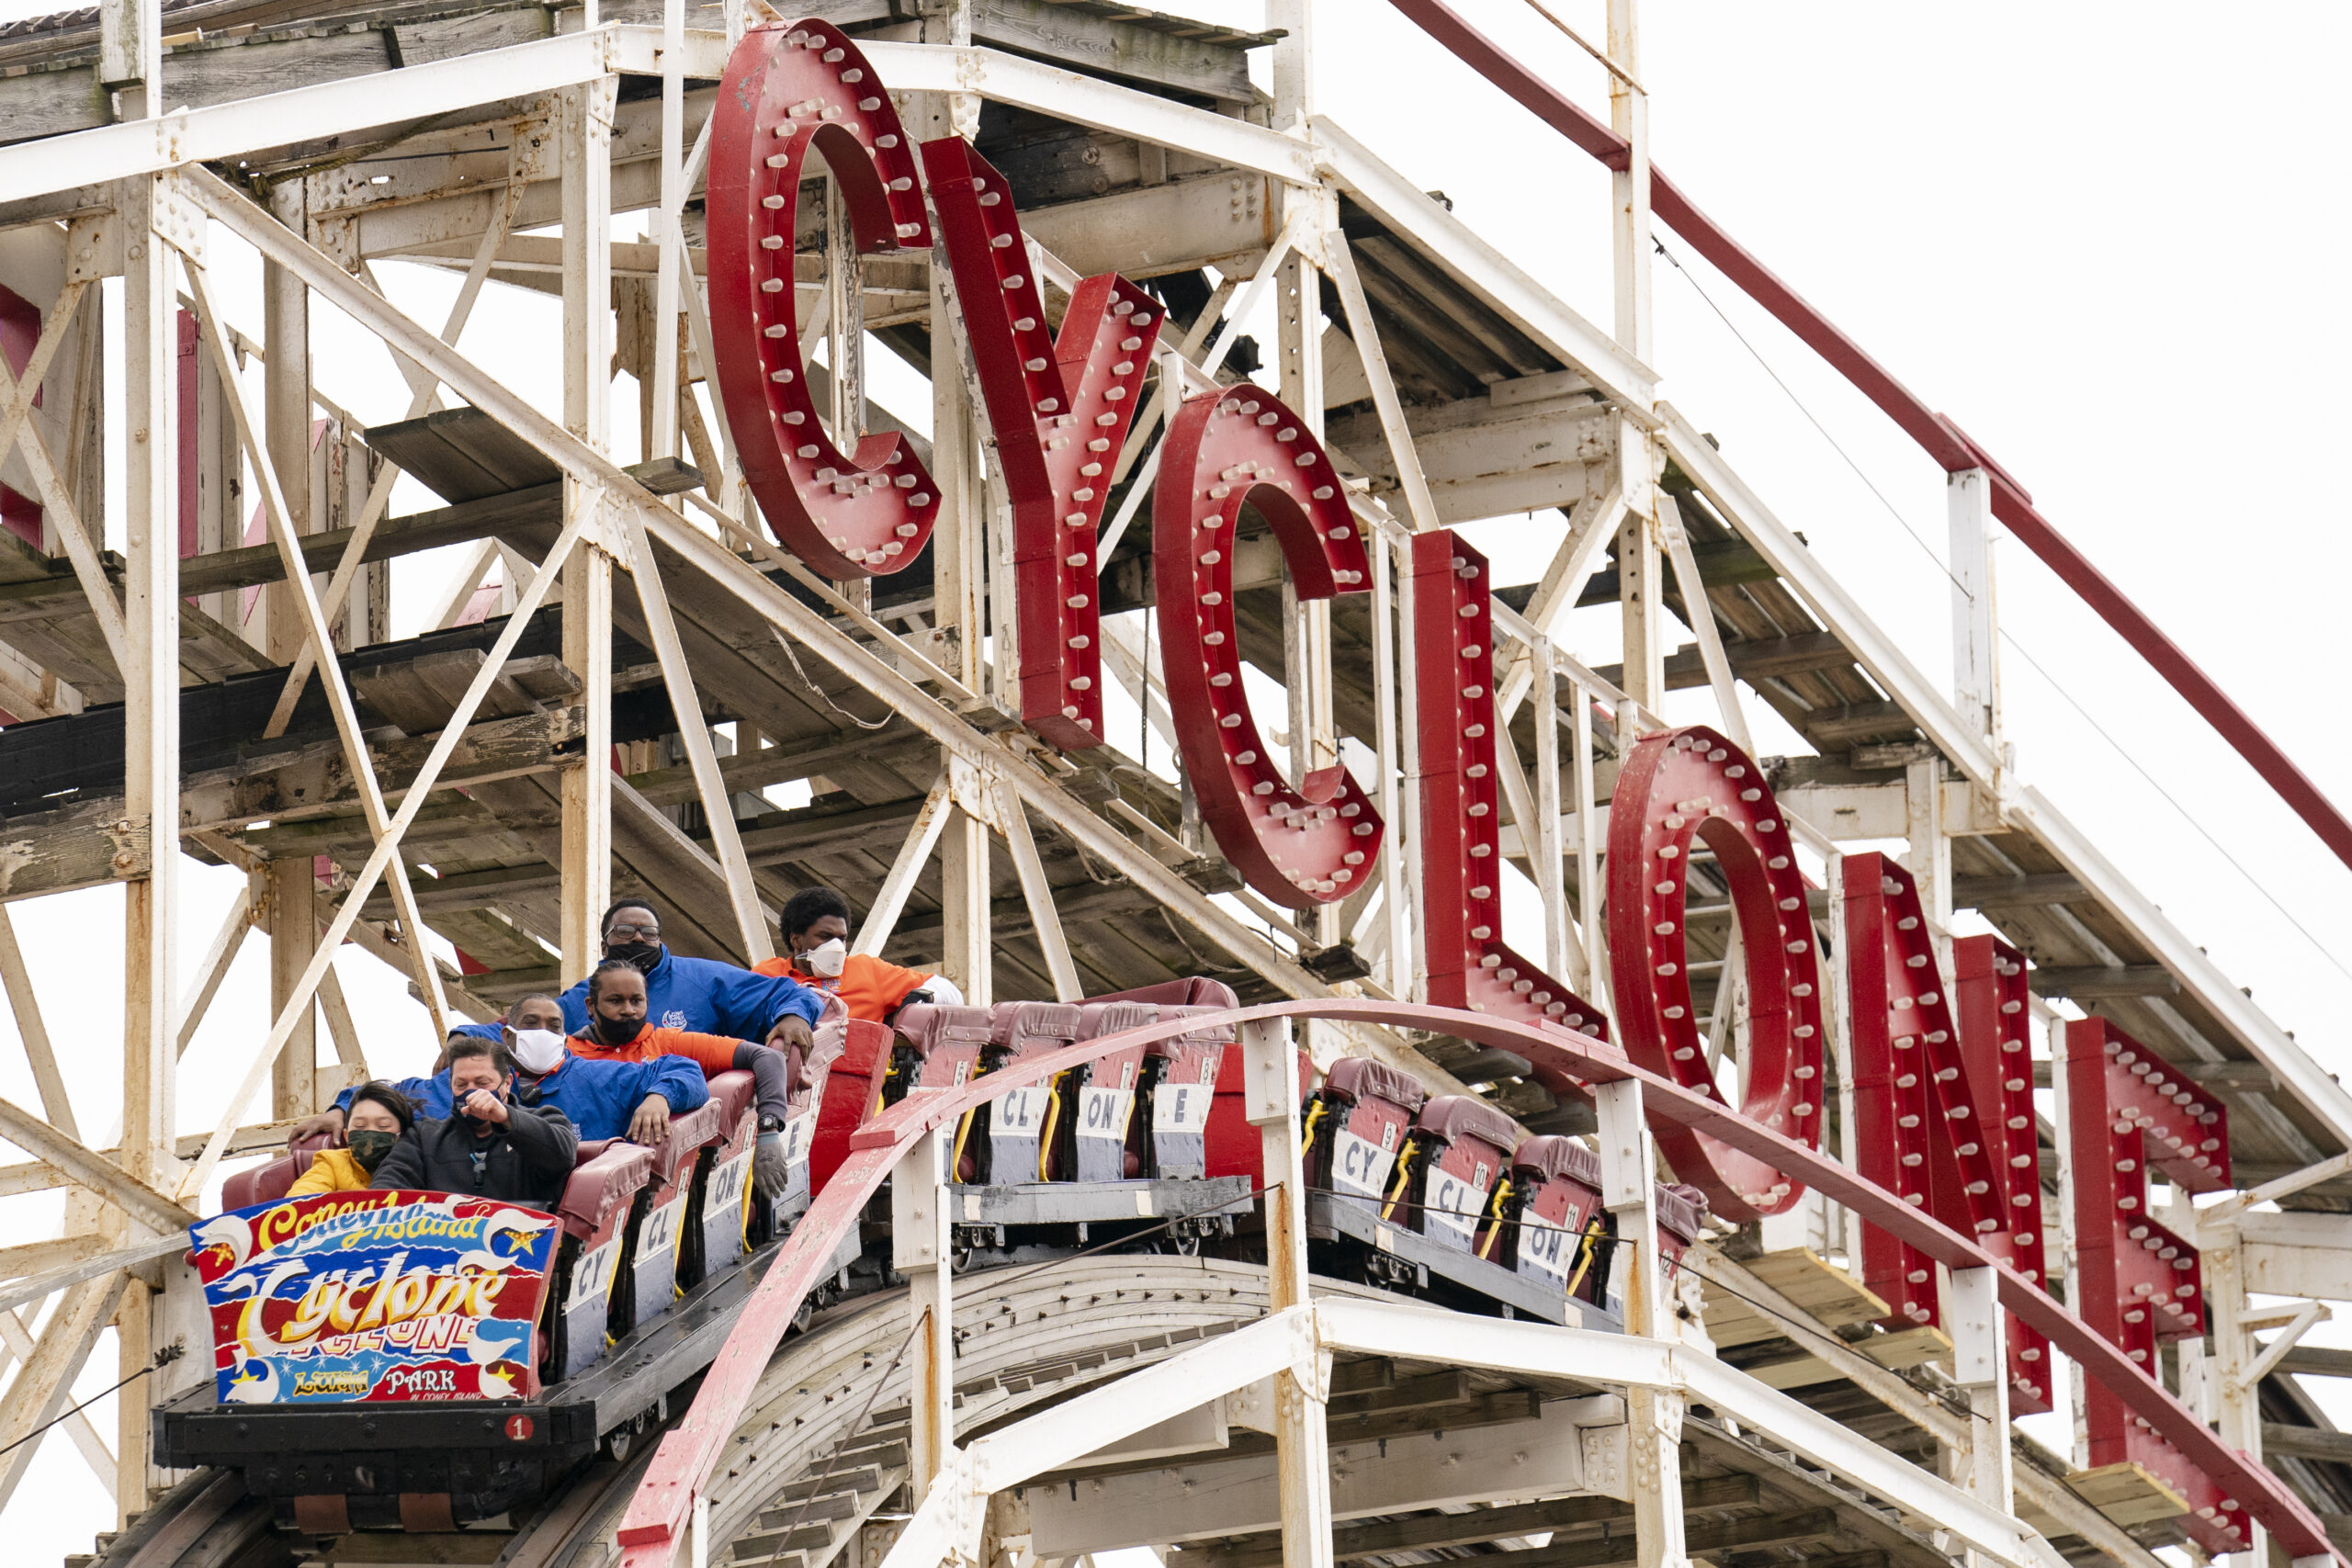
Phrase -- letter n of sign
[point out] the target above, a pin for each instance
(2135, 1283)
(1931, 1101)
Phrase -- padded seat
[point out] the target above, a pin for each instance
(1555, 1158)
(267, 1182)
(1681, 1211)
(1024, 1027)
(734, 1094)
(1196, 991)
(1354, 1078)
(605, 1180)
(928, 1027)
(1454, 1117)
(1098, 1019)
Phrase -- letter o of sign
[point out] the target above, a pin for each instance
(784, 95)
(1692, 783)
(1299, 847)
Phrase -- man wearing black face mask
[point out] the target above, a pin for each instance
(698, 994)
(490, 1146)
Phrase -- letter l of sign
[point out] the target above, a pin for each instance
(1060, 409)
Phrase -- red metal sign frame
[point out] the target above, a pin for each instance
(1676, 788)
(788, 94)
(1060, 408)
(1469, 963)
(1299, 847)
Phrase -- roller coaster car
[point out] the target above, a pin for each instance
(654, 1251)
(1431, 1197)
(597, 1209)
(1052, 1161)
(1355, 1126)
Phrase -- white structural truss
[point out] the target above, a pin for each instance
(451, 790)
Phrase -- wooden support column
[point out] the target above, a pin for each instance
(958, 551)
(2239, 1413)
(1298, 305)
(919, 1249)
(130, 55)
(1980, 1365)
(286, 416)
(586, 166)
(1654, 1416)
(1302, 1442)
(293, 925)
(1929, 858)
(846, 346)
(1976, 628)
(1639, 580)
(965, 941)
(151, 777)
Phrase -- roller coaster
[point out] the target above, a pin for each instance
(1134, 1158)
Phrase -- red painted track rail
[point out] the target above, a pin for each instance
(1936, 434)
(655, 1525)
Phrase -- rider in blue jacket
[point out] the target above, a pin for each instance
(699, 995)
(602, 1098)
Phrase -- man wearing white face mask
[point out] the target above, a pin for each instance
(601, 1099)
(815, 931)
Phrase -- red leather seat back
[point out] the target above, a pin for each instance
(950, 1040)
(593, 1213)
(1015, 1139)
(1559, 1182)
(1681, 1212)
(1367, 1108)
(718, 1203)
(733, 1093)
(1465, 1145)
(1026, 1028)
(266, 1182)
(1106, 1140)
(847, 1092)
(602, 1187)
(1195, 991)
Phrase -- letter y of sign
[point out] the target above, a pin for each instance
(1060, 408)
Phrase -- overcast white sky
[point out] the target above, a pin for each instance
(2052, 222)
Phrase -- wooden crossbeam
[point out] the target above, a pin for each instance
(2016, 892)
(1477, 1526)
(93, 1171)
(2100, 982)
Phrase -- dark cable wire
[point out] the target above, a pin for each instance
(2006, 636)
(162, 1357)
(2170, 800)
(1901, 521)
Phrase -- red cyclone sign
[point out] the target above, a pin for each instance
(1943, 1094)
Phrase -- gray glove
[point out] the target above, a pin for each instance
(771, 1171)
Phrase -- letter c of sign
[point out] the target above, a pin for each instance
(1692, 783)
(1300, 847)
(784, 95)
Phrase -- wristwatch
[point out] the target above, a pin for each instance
(771, 1124)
